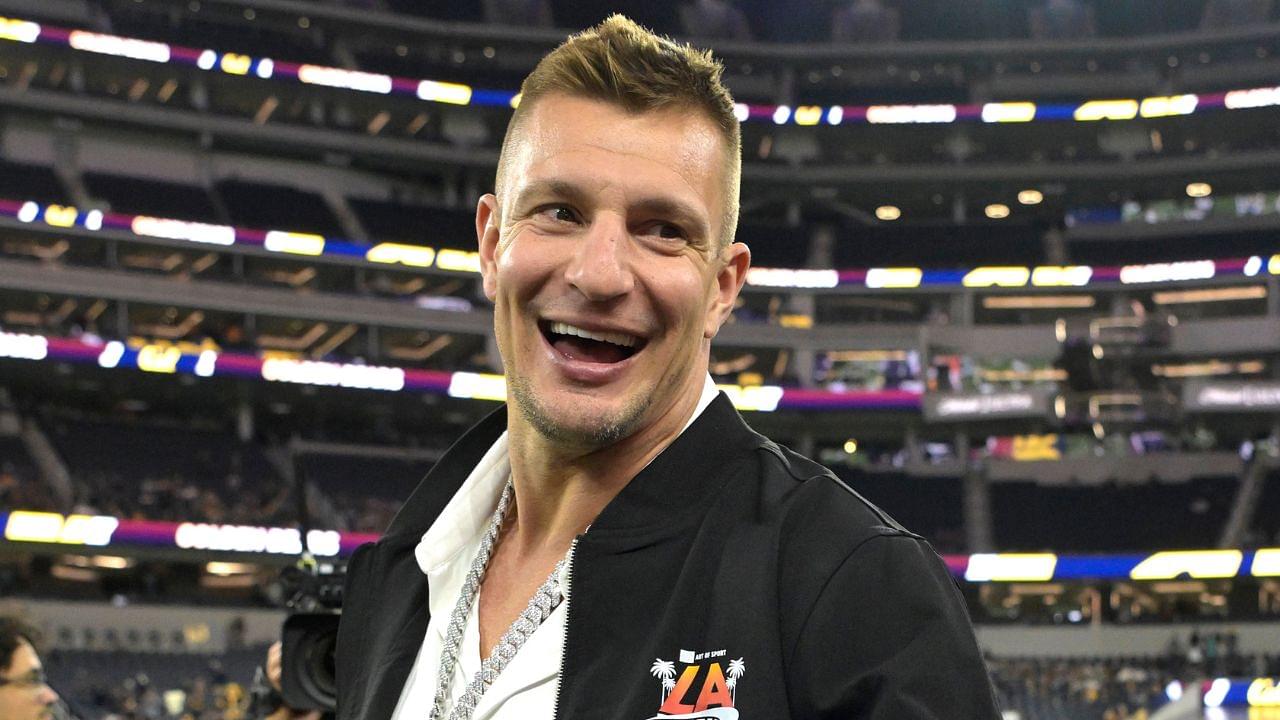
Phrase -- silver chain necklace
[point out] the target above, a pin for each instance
(544, 601)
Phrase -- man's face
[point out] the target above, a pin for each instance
(605, 266)
(24, 695)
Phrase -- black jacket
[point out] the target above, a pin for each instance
(726, 548)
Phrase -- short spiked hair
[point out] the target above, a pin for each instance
(622, 63)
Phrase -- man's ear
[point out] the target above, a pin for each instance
(734, 260)
(487, 220)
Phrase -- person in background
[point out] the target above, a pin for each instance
(24, 690)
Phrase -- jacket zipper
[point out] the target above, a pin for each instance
(568, 625)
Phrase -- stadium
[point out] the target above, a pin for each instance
(1015, 279)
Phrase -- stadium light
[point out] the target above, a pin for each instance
(1199, 189)
(997, 211)
(888, 212)
(1031, 197)
(851, 446)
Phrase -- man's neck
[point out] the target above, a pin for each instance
(560, 490)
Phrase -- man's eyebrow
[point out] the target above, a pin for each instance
(548, 188)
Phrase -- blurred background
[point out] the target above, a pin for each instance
(1017, 279)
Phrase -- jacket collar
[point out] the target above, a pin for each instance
(671, 489)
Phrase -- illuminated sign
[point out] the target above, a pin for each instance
(1061, 276)
(894, 277)
(23, 347)
(119, 46)
(392, 253)
(1255, 98)
(1266, 563)
(159, 358)
(296, 243)
(1008, 112)
(974, 406)
(1167, 272)
(911, 114)
(1011, 567)
(346, 79)
(182, 230)
(460, 260)
(1029, 448)
(1232, 396)
(1154, 107)
(26, 526)
(783, 277)
(808, 115)
(1107, 110)
(1197, 564)
(314, 372)
(19, 30)
(997, 276)
(1264, 692)
(444, 92)
(63, 216)
(478, 386)
(253, 539)
(758, 398)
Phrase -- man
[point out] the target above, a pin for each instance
(24, 692)
(618, 543)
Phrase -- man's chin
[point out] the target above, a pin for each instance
(579, 423)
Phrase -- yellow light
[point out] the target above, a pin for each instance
(391, 253)
(1008, 112)
(515, 100)
(1273, 265)
(445, 92)
(1036, 447)
(235, 64)
(1011, 567)
(61, 215)
(1175, 297)
(997, 211)
(894, 277)
(808, 115)
(1107, 110)
(1061, 275)
(888, 212)
(1266, 563)
(1031, 197)
(851, 446)
(460, 260)
(758, 398)
(1037, 302)
(796, 320)
(1154, 107)
(159, 359)
(20, 30)
(1199, 189)
(27, 526)
(1198, 564)
(1263, 693)
(296, 243)
(997, 276)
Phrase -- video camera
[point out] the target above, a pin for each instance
(312, 592)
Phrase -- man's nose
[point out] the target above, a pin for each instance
(601, 265)
(48, 695)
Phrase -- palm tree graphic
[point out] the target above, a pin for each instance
(665, 670)
(737, 668)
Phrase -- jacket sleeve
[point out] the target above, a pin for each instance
(888, 638)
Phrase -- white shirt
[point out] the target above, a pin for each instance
(527, 687)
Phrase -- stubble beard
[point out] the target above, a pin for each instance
(610, 430)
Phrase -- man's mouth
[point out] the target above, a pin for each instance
(593, 346)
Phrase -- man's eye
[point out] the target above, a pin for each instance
(667, 231)
(560, 213)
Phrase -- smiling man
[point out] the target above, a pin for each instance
(617, 542)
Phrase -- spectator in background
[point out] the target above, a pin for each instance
(24, 691)
(865, 21)
(1062, 20)
(521, 13)
(714, 20)
(1220, 14)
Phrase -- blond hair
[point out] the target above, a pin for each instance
(622, 63)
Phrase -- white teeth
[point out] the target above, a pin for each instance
(628, 341)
